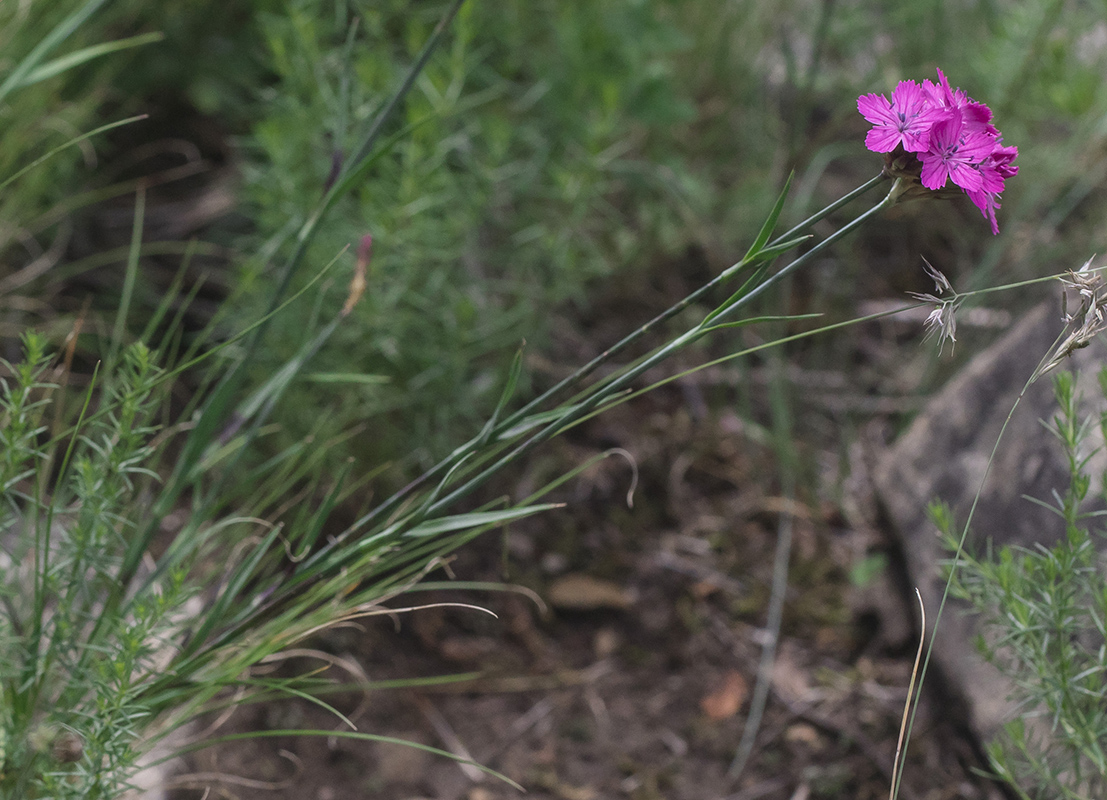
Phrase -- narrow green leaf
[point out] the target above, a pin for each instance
(346, 377)
(306, 540)
(767, 228)
(62, 31)
(86, 54)
(435, 493)
(268, 393)
(286, 687)
(217, 613)
(480, 519)
(255, 409)
(750, 283)
(74, 141)
(537, 420)
(169, 297)
(460, 522)
(129, 278)
(754, 320)
(772, 251)
(505, 397)
(569, 475)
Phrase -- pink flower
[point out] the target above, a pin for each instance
(994, 170)
(975, 116)
(986, 202)
(905, 120)
(933, 134)
(1002, 158)
(954, 151)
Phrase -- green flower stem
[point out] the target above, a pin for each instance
(830, 209)
(443, 467)
(888, 201)
(337, 554)
(608, 390)
(326, 559)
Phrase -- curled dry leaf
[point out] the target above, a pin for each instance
(577, 592)
(727, 700)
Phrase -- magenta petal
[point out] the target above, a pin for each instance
(933, 93)
(952, 134)
(915, 142)
(1003, 156)
(977, 116)
(991, 179)
(987, 204)
(975, 145)
(934, 173)
(904, 120)
(907, 97)
(882, 140)
(875, 108)
(966, 177)
(942, 79)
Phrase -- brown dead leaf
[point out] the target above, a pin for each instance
(577, 592)
(727, 700)
(802, 733)
(701, 590)
(568, 792)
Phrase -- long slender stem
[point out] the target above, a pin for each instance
(788, 468)
(900, 761)
(609, 389)
(775, 618)
(583, 372)
(888, 201)
(332, 555)
(958, 553)
(591, 402)
(830, 209)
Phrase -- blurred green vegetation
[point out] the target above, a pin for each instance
(554, 143)
(550, 144)
(32, 123)
(539, 158)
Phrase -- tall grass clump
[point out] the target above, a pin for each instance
(55, 66)
(46, 105)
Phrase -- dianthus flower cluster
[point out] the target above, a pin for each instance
(940, 134)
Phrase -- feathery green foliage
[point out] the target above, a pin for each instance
(1043, 613)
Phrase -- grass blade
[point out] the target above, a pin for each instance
(86, 54)
(62, 31)
(769, 225)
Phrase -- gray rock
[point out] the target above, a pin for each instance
(944, 455)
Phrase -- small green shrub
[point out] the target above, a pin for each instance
(1044, 621)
